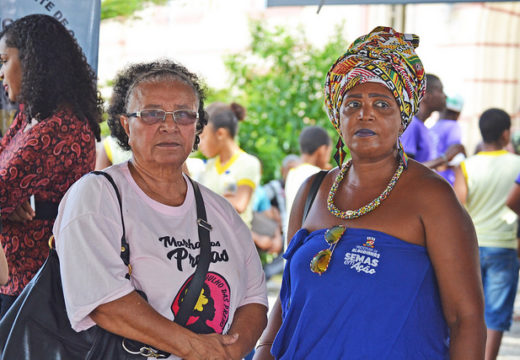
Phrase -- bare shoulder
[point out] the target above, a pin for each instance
(426, 185)
(433, 198)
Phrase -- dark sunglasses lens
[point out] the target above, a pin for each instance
(152, 116)
(185, 117)
(333, 235)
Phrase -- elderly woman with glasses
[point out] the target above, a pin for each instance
(385, 265)
(161, 114)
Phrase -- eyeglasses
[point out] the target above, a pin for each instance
(181, 117)
(320, 262)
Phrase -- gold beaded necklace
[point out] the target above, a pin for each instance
(353, 214)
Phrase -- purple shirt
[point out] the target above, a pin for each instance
(444, 134)
(417, 141)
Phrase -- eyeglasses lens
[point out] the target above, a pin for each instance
(185, 117)
(181, 117)
(152, 116)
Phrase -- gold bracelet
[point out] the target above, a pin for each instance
(264, 344)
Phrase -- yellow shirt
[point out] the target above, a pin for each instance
(490, 176)
(114, 152)
(241, 169)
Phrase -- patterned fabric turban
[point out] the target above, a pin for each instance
(383, 56)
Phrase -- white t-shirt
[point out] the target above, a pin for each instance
(195, 167)
(295, 178)
(164, 246)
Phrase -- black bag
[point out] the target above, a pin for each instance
(37, 327)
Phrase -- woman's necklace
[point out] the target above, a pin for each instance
(353, 214)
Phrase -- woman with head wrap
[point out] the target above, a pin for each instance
(386, 265)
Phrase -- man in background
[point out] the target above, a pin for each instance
(482, 183)
(447, 132)
(315, 150)
(417, 140)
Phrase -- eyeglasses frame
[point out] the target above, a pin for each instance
(138, 114)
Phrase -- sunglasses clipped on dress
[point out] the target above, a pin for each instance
(320, 262)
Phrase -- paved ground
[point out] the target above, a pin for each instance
(510, 349)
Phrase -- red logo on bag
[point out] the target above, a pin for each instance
(211, 311)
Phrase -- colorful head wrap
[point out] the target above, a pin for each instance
(383, 56)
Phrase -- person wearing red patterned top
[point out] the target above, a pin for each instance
(51, 142)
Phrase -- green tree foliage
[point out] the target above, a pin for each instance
(115, 8)
(279, 79)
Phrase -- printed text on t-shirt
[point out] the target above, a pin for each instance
(181, 255)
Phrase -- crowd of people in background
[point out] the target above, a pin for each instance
(460, 242)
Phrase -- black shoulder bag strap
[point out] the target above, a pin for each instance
(197, 281)
(312, 192)
(195, 286)
(137, 347)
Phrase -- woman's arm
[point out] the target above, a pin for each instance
(460, 186)
(250, 316)
(241, 198)
(18, 118)
(4, 270)
(11, 163)
(22, 213)
(102, 160)
(48, 150)
(247, 179)
(452, 246)
(446, 157)
(263, 349)
(249, 322)
(513, 199)
(132, 317)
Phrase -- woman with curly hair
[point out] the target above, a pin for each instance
(157, 112)
(51, 142)
(112, 151)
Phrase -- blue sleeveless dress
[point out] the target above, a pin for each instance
(378, 300)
